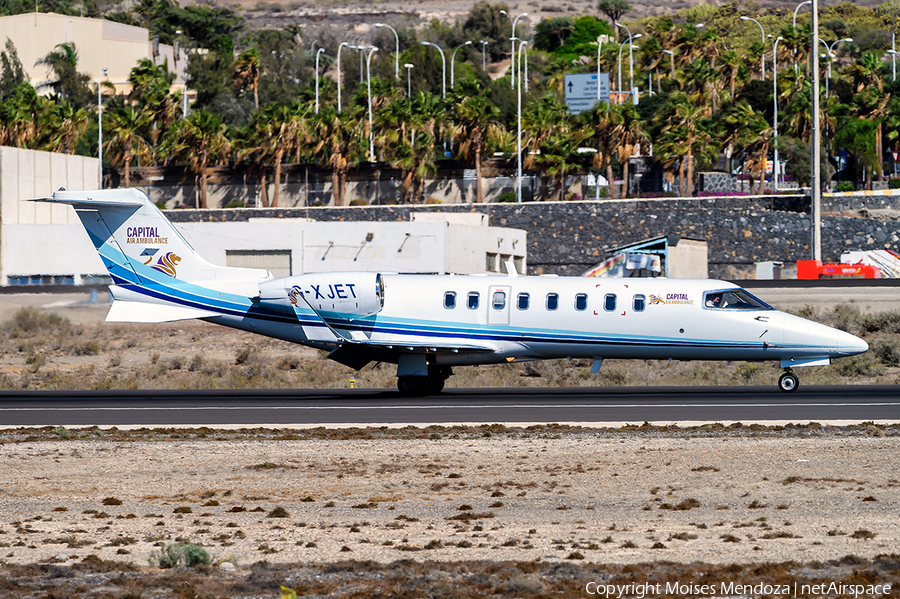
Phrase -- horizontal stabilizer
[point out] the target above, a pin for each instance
(88, 202)
(122, 311)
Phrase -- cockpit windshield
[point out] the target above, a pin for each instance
(735, 299)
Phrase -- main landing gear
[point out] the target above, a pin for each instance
(432, 384)
(788, 382)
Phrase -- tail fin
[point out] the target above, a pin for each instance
(138, 244)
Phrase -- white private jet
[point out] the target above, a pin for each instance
(426, 324)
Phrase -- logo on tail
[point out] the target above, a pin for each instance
(166, 264)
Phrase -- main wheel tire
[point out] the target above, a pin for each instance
(434, 385)
(788, 382)
(411, 385)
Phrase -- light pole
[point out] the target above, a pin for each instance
(794, 52)
(672, 61)
(369, 93)
(796, 10)
(453, 60)
(763, 32)
(396, 49)
(443, 67)
(599, 47)
(319, 51)
(519, 138)
(894, 47)
(409, 67)
(512, 66)
(622, 47)
(100, 122)
(67, 29)
(483, 62)
(339, 72)
(631, 55)
(775, 101)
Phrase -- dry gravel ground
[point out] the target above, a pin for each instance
(681, 500)
(437, 512)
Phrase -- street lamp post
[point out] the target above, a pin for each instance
(519, 138)
(894, 47)
(396, 49)
(599, 47)
(372, 51)
(512, 66)
(775, 101)
(794, 53)
(483, 62)
(100, 121)
(453, 60)
(408, 67)
(443, 67)
(763, 32)
(672, 61)
(67, 29)
(339, 72)
(631, 55)
(622, 47)
(319, 51)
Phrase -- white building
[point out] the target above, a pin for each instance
(46, 244)
(100, 44)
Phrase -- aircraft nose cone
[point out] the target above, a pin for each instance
(851, 344)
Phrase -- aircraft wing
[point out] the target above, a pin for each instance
(356, 354)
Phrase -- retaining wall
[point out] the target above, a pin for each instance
(567, 238)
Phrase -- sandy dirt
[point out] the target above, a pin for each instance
(729, 497)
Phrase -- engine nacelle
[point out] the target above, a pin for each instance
(357, 293)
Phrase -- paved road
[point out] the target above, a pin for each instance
(524, 405)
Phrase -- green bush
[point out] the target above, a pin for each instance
(862, 365)
(895, 184)
(887, 351)
(845, 186)
(173, 555)
(883, 322)
(507, 196)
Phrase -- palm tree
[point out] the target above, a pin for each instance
(201, 140)
(126, 142)
(63, 125)
(65, 81)
(543, 119)
(246, 73)
(685, 120)
(475, 122)
(341, 143)
(150, 86)
(276, 126)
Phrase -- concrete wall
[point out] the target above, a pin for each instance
(569, 237)
(36, 238)
(422, 246)
(100, 43)
(689, 259)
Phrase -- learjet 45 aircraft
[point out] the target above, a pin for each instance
(427, 324)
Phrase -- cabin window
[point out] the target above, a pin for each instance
(450, 300)
(581, 302)
(552, 301)
(736, 299)
(522, 301)
(498, 301)
(639, 302)
(609, 302)
(472, 300)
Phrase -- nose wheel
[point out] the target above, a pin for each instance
(788, 382)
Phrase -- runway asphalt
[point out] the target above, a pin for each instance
(604, 406)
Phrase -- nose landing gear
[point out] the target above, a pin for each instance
(788, 382)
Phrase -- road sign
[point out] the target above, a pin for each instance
(581, 90)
